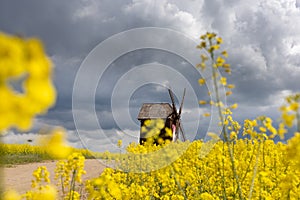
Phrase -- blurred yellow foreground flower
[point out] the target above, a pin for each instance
(24, 62)
(55, 144)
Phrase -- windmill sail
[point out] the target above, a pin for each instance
(176, 116)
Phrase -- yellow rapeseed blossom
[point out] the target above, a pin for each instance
(55, 144)
(290, 112)
(202, 102)
(24, 59)
(210, 35)
(47, 192)
(288, 119)
(219, 40)
(202, 65)
(263, 129)
(119, 143)
(234, 106)
(204, 57)
(225, 54)
(206, 196)
(228, 93)
(41, 175)
(188, 177)
(201, 81)
(293, 149)
(233, 135)
(281, 130)
(220, 61)
(223, 81)
(192, 177)
(11, 195)
(206, 114)
(231, 86)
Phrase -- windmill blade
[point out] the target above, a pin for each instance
(182, 132)
(180, 109)
(173, 102)
(177, 130)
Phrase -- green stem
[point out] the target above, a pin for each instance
(72, 185)
(223, 172)
(225, 134)
(254, 171)
(177, 182)
(2, 157)
(264, 161)
(248, 166)
(298, 121)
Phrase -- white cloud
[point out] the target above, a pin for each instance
(164, 13)
(12, 138)
(87, 9)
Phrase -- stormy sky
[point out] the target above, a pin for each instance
(112, 56)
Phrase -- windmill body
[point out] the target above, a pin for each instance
(163, 112)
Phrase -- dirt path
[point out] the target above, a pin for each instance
(19, 177)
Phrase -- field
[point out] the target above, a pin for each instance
(266, 171)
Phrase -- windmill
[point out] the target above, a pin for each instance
(176, 117)
(165, 112)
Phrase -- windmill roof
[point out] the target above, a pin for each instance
(155, 111)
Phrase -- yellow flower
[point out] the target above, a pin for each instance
(204, 58)
(220, 61)
(219, 40)
(213, 48)
(206, 114)
(55, 145)
(202, 37)
(233, 135)
(74, 195)
(202, 102)
(47, 192)
(234, 106)
(202, 66)
(226, 66)
(288, 119)
(119, 143)
(24, 60)
(168, 132)
(206, 196)
(147, 123)
(225, 54)
(201, 81)
(202, 45)
(231, 86)
(210, 35)
(223, 81)
(228, 93)
(262, 129)
(294, 106)
(228, 71)
(281, 130)
(11, 195)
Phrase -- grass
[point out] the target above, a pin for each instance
(18, 159)
(17, 154)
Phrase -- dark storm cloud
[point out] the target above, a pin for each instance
(66, 28)
(262, 38)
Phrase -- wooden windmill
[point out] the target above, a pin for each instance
(165, 112)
